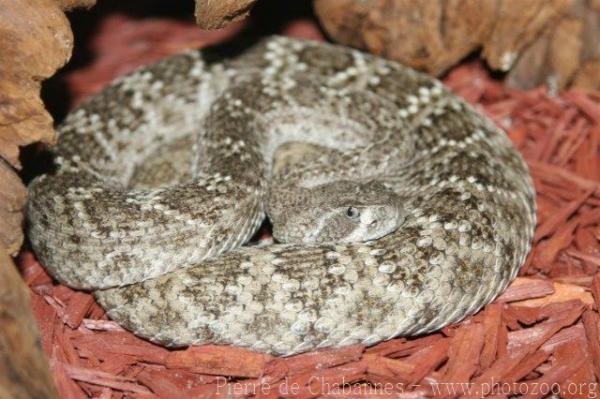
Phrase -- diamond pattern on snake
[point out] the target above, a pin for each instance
(396, 207)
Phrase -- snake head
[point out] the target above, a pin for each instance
(337, 212)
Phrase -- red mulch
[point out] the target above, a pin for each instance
(541, 336)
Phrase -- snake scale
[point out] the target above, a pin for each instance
(396, 207)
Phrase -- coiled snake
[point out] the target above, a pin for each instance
(398, 209)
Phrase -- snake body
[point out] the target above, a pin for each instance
(162, 177)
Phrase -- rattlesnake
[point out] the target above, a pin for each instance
(402, 208)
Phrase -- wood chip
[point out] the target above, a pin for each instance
(213, 359)
(526, 288)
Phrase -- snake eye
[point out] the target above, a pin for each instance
(352, 212)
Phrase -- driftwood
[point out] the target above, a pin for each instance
(538, 41)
